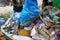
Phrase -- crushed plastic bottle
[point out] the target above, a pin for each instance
(56, 19)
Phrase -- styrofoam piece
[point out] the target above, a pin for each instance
(33, 32)
(21, 38)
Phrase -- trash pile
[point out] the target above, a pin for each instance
(47, 26)
(51, 18)
(3, 19)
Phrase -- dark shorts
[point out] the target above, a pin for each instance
(50, 3)
(17, 9)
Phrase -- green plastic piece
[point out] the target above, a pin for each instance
(56, 3)
(51, 16)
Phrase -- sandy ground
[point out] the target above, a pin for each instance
(6, 9)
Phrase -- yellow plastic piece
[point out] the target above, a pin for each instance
(23, 32)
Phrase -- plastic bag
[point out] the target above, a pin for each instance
(30, 11)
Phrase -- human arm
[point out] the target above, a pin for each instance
(12, 2)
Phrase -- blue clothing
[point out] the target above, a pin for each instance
(15, 17)
(30, 11)
(59, 37)
(2, 22)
